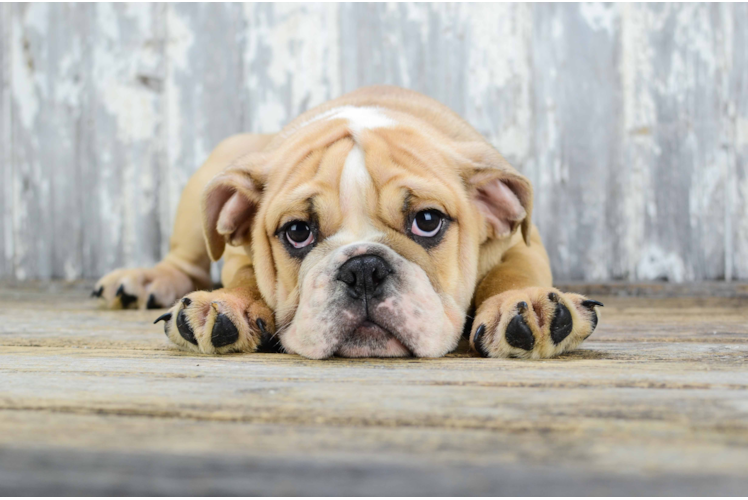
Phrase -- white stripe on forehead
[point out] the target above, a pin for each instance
(354, 186)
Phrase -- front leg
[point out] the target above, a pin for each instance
(519, 314)
(232, 319)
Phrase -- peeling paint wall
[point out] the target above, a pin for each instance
(631, 120)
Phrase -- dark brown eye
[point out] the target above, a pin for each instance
(299, 234)
(427, 223)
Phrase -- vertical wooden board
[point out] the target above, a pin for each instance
(639, 153)
(422, 47)
(291, 62)
(46, 51)
(203, 92)
(738, 91)
(119, 191)
(496, 84)
(6, 165)
(577, 89)
(675, 105)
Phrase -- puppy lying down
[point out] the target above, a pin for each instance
(371, 225)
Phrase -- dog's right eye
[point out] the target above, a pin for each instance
(427, 223)
(427, 227)
(299, 234)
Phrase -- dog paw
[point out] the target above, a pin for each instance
(219, 322)
(143, 288)
(533, 323)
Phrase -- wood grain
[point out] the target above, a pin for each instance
(631, 120)
(96, 401)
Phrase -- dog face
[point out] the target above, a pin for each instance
(365, 228)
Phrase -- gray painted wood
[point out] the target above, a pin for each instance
(6, 165)
(46, 111)
(631, 120)
(738, 112)
(122, 140)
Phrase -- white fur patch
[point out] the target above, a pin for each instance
(359, 118)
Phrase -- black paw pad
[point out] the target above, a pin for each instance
(152, 303)
(519, 335)
(224, 332)
(184, 328)
(562, 324)
(590, 304)
(478, 341)
(125, 298)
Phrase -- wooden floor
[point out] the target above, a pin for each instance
(96, 402)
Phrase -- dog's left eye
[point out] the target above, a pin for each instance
(299, 234)
(427, 223)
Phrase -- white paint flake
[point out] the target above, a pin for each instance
(599, 16)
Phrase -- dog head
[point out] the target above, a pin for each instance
(365, 227)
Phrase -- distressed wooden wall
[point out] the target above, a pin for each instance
(631, 120)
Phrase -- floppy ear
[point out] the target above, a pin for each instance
(502, 194)
(229, 205)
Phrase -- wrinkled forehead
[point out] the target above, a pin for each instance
(361, 165)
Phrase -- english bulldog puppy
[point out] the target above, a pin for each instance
(374, 225)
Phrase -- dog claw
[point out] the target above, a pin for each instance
(590, 304)
(562, 324)
(518, 334)
(184, 328)
(163, 317)
(224, 332)
(478, 341)
(553, 297)
(97, 293)
(522, 306)
(186, 302)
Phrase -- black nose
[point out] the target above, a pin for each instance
(364, 275)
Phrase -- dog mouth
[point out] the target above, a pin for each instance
(370, 339)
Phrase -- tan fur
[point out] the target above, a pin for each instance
(425, 157)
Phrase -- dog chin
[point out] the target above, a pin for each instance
(370, 340)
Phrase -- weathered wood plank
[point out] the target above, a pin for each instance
(121, 143)
(673, 119)
(738, 92)
(71, 472)
(6, 145)
(576, 93)
(498, 79)
(46, 91)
